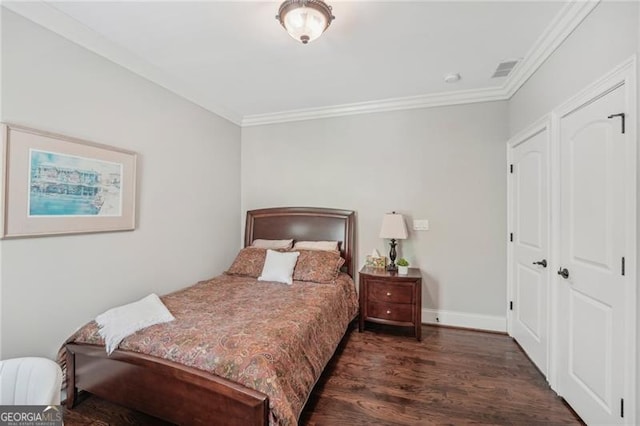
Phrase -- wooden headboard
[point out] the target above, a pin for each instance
(305, 224)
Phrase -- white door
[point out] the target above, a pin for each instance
(530, 222)
(591, 304)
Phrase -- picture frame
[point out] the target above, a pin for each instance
(379, 262)
(54, 185)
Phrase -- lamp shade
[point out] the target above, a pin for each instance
(393, 227)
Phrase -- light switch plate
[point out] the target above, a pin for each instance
(420, 225)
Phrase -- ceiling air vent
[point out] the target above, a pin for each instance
(504, 69)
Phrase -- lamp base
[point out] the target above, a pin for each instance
(392, 256)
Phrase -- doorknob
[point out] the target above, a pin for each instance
(542, 263)
(564, 273)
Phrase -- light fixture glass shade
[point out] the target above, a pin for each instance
(393, 227)
(305, 20)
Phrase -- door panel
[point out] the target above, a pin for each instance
(590, 364)
(529, 190)
(528, 289)
(529, 208)
(591, 203)
(591, 308)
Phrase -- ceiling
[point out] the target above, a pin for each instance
(233, 58)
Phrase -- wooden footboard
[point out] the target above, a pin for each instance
(161, 388)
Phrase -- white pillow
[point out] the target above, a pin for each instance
(272, 244)
(279, 266)
(316, 245)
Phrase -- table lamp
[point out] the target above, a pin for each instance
(394, 228)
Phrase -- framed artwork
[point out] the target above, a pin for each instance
(376, 261)
(53, 184)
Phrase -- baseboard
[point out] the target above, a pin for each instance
(465, 320)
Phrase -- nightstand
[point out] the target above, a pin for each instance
(389, 298)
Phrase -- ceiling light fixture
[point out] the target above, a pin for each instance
(305, 20)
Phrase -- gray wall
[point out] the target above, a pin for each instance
(189, 190)
(444, 164)
(606, 38)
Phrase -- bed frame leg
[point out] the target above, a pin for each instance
(72, 390)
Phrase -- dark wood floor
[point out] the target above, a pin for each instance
(385, 377)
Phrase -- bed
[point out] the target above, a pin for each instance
(181, 393)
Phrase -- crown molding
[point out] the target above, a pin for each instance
(60, 23)
(385, 105)
(563, 24)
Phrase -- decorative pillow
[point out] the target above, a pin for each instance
(249, 262)
(279, 266)
(318, 266)
(316, 245)
(272, 244)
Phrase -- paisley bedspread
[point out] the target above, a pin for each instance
(271, 337)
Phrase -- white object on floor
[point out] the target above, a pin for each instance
(122, 321)
(30, 381)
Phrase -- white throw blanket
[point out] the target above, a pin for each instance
(122, 321)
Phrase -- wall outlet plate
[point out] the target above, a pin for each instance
(420, 225)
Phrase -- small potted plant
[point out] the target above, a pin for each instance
(403, 266)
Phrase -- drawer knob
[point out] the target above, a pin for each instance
(388, 311)
(388, 293)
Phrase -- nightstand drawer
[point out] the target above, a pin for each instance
(383, 291)
(390, 311)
